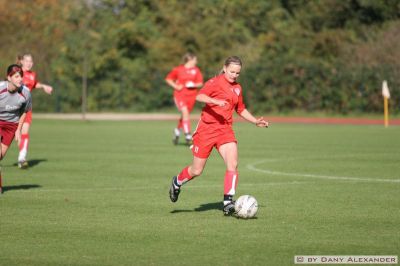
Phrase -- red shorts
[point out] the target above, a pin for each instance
(185, 100)
(7, 132)
(28, 117)
(207, 137)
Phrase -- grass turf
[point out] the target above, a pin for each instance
(97, 194)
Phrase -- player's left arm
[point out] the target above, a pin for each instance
(18, 131)
(46, 88)
(243, 112)
(260, 122)
(198, 83)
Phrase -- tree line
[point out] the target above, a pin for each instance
(309, 55)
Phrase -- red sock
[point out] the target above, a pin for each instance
(230, 183)
(179, 126)
(184, 176)
(24, 137)
(186, 126)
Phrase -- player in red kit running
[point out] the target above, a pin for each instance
(30, 80)
(185, 79)
(15, 102)
(222, 95)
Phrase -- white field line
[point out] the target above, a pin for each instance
(253, 167)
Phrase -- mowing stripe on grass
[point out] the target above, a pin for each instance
(253, 167)
(152, 188)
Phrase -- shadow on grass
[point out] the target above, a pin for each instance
(20, 187)
(33, 162)
(203, 207)
(209, 207)
(182, 144)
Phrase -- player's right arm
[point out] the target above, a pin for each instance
(203, 98)
(172, 79)
(174, 84)
(206, 93)
(46, 88)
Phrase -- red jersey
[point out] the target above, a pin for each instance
(186, 77)
(220, 89)
(30, 79)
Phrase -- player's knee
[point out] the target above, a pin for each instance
(232, 166)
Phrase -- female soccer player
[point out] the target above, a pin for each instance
(15, 102)
(222, 95)
(30, 81)
(185, 79)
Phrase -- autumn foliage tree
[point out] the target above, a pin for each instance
(320, 55)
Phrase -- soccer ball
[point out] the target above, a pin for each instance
(246, 206)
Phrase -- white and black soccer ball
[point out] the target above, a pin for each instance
(246, 206)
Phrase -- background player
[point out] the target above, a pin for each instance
(15, 102)
(185, 79)
(30, 80)
(222, 95)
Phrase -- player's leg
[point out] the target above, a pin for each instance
(23, 146)
(191, 171)
(24, 143)
(4, 149)
(201, 149)
(187, 174)
(179, 126)
(177, 132)
(186, 124)
(190, 101)
(7, 134)
(229, 153)
(1, 182)
(3, 152)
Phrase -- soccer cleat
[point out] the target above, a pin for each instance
(23, 164)
(188, 139)
(173, 191)
(175, 140)
(229, 208)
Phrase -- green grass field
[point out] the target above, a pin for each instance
(97, 194)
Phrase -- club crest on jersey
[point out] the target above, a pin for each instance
(192, 72)
(237, 91)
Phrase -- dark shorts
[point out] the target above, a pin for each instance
(7, 132)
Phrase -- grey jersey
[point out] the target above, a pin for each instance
(13, 105)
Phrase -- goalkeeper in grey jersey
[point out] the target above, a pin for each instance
(15, 101)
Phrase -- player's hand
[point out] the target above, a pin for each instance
(261, 122)
(178, 87)
(220, 103)
(47, 89)
(17, 136)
